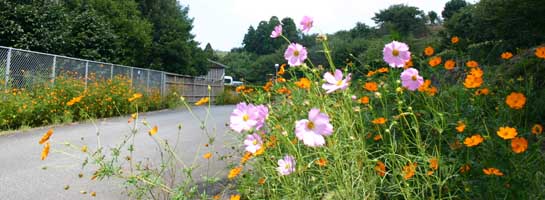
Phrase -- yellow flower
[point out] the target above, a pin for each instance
(135, 96)
(454, 40)
(428, 51)
(450, 64)
(492, 171)
(380, 120)
(435, 61)
(537, 129)
(519, 144)
(507, 132)
(84, 148)
(46, 136)
(515, 100)
(506, 55)
(303, 83)
(234, 172)
(207, 155)
(45, 151)
(235, 197)
(474, 140)
(202, 101)
(153, 131)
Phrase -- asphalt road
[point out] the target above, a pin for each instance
(22, 173)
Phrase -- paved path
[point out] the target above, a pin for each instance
(22, 176)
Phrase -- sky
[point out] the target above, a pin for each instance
(223, 23)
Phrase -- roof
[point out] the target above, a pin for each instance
(218, 64)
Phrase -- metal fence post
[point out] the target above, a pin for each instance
(163, 89)
(86, 72)
(132, 72)
(8, 65)
(112, 72)
(53, 68)
(147, 81)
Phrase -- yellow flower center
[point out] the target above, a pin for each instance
(339, 83)
(255, 142)
(245, 117)
(395, 52)
(414, 77)
(287, 166)
(296, 53)
(310, 125)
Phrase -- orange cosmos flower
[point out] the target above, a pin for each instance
(519, 144)
(380, 168)
(207, 155)
(153, 131)
(409, 170)
(268, 86)
(465, 168)
(202, 101)
(322, 162)
(506, 55)
(454, 40)
(245, 158)
(383, 70)
(45, 151)
(507, 132)
(281, 80)
(46, 136)
(540, 52)
(473, 81)
(371, 73)
(408, 64)
(455, 145)
(492, 171)
(371, 86)
(240, 88)
(216, 197)
(450, 64)
(284, 90)
(472, 64)
(434, 164)
(537, 129)
(261, 181)
(460, 127)
(474, 140)
(84, 148)
(428, 51)
(282, 70)
(364, 100)
(303, 83)
(377, 137)
(515, 100)
(234, 172)
(483, 91)
(235, 197)
(435, 61)
(380, 120)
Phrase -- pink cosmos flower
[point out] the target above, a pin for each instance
(253, 143)
(247, 116)
(313, 129)
(295, 54)
(286, 166)
(335, 82)
(411, 80)
(306, 22)
(277, 32)
(396, 54)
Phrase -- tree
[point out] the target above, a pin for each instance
(404, 19)
(452, 7)
(258, 40)
(434, 18)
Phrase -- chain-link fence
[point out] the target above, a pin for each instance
(27, 69)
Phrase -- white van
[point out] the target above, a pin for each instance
(228, 80)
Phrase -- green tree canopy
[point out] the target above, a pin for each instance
(451, 7)
(404, 19)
